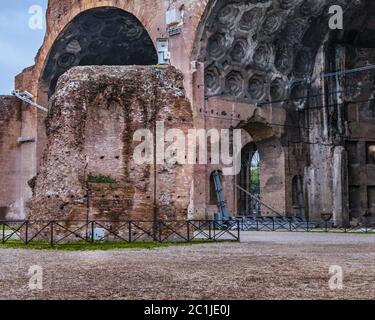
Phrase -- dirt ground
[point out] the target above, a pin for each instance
(262, 266)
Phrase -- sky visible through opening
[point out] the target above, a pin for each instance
(19, 43)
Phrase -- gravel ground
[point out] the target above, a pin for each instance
(263, 266)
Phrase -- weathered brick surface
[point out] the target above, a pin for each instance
(90, 132)
(10, 130)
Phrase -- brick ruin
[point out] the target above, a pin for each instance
(89, 156)
(308, 145)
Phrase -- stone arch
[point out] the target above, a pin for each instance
(60, 14)
(98, 36)
(272, 164)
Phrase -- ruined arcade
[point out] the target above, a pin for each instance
(301, 93)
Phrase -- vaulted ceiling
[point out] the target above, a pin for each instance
(254, 49)
(102, 36)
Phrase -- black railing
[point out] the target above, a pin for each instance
(299, 225)
(100, 231)
(56, 232)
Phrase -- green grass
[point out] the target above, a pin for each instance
(101, 179)
(104, 246)
(6, 228)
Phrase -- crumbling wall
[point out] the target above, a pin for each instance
(90, 128)
(10, 131)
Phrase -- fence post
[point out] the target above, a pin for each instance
(214, 222)
(154, 230)
(160, 232)
(238, 230)
(209, 230)
(93, 224)
(188, 230)
(51, 239)
(27, 232)
(3, 240)
(130, 231)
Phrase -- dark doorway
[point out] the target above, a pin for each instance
(249, 179)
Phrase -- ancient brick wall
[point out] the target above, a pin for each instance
(10, 131)
(90, 132)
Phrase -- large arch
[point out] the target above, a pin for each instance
(99, 36)
(61, 12)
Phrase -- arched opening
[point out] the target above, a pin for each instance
(100, 36)
(263, 170)
(249, 180)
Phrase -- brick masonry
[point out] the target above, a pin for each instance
(90, 132)
(10, 176)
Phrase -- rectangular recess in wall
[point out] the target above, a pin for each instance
(354, 197)
(371, 197)
(352, 150)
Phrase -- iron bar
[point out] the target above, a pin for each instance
(51, 240)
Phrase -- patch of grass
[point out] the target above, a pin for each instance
(101, 179)
(103, 246)
(6, 228)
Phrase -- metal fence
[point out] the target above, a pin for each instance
(63, 232)
(299, 225)
(59, 232)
